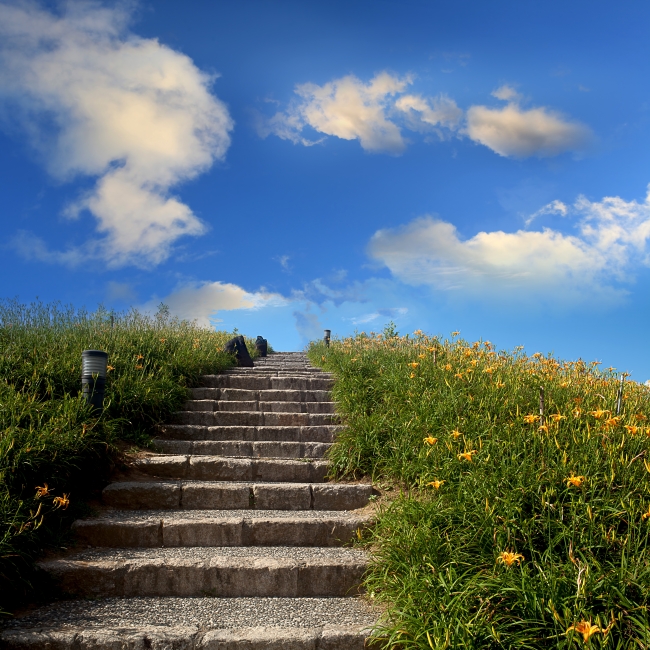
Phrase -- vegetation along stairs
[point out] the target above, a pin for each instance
(229, 539)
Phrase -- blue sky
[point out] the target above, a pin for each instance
(284, 167)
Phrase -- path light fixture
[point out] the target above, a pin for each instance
(93, 377)
(326, 338)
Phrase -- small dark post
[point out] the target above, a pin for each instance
(619, 397)
(93, 377)
(326, 338)
(541, 405)
(112, 320)
(262, 345)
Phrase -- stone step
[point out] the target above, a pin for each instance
(243, 449)
(217, 468)
(288, 572)
(222, 405)
(248, 382)
(243, 395)
(253, 418)
(321, 433)
(201, 495)
(218, 528)
(194, 624)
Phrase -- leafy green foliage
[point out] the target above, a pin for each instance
(512, 529)
(54, 451)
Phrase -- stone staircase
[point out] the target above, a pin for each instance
(230, 539)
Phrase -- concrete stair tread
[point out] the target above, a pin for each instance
(216, 571)
(170, 620)
(273, 406)
(317, 433)
(233, 495)
(243, 448)
(294, 516)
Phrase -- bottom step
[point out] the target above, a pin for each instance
(195, 623)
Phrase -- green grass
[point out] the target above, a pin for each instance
(445, 422)
(49, 438)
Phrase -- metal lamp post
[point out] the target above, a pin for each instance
(93, 377)
(326, 338)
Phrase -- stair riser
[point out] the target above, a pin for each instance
(176, 578)
(318, 433)
(159, 638)
(253, 418)
(239, 395)
(237, 531)
(235, 496)
(244, 449)
(267, 407)
(266, 383)
(211, 468)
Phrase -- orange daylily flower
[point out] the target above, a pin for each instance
(467, 455)
(576, 481)
(508, 558)
(586, 629)
(436, 484)
(456, 433)
(61, 502)
(631, 429)
(447, 366)
(556, 417)
(414, 364)
(531, 418)
(430, 440)
(42, 490)
(599, 413)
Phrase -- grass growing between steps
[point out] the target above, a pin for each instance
(511, 531)
(53, 450)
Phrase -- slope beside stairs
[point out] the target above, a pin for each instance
(230, 539)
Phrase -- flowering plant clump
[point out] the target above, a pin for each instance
(563, 479)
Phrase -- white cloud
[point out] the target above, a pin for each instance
(441, 111)
(521, 133)
(554, 207)
(506, 93)
(202, 301)
(98, 100)
(611, 240)
(346, 108)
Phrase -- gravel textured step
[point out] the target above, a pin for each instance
(253, 418)
(243, 449)
(226, 572)
(241, 395)
(200, 495)
(195, 623)
(221, 405)
(319, 433)
(219, 468)
(172, 528)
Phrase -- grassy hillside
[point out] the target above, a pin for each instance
(511, 530)
(53, 450)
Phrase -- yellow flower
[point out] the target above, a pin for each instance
(645, 516)
(436, 484)
(639, 417)
(474, 362)
(632, 430)
(456, 433)
(612, 422)
(355, 359)
(556, 417)
(467, 455)
(61, 502)
(42, 491)
(577, 412)
(508, 558)
(576, 481)
(414, 364)
(109, 368)
(139, 357)
(598, 413)
(412, 375)
(322, 358)
(586, 629)
(500, 384)
(456, 333)
(459, 375)
(448, 366)
(422, 356)
(430, 440)
(431, 349)
(531, 418)
(489, 370)
(543, 428)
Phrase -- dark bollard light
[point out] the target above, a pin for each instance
(262, 345)
(93, 377)
(326, 338)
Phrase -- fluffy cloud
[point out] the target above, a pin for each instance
(201, 301)
(611, 239)
(346, 108)
(521, 133)
(375, 113)
(98, 100)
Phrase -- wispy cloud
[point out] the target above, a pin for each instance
(554, 207)
(378, 111)
(96, 99)
(610, 241)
